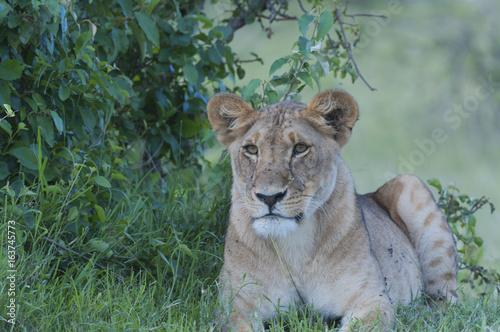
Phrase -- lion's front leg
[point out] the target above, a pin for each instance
(239, 322)
(241, 303)
(242, 317)
(377, 314)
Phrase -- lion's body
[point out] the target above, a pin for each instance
(299, 234)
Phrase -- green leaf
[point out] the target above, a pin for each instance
(149, 27)
(207, 23)
(323, 61)
(249, 90)
(64, 92)
(306, 78)
(57, 121)
(6, 126)
(126, 7)
(273, 96)
(46, 128)
(88, 118)
(118, 176)
(26, 157)
(222, 31)
(190, 74)
(436, 184)
(141, 38)
(102, 181)
(304, 22)
(463, 197)
(190, 128)
(185, 249)
(304, 46)
(100, 246)
(39, 101)
(472, 220)
(11, 69)
(4, 170)
(479, 241)
(100, 213)
(214, 56)
(73, 213)
(278, 64)
(8, 110)
(164, 258)
(325, 24)
(82, 39)
(4, 94)
(151, 6)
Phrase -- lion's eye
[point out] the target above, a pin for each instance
(300, 148)
(252, 149)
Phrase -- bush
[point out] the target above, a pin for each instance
(459, 209)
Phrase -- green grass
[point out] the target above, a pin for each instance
(147, 261)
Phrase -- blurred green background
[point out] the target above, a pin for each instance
(435, 112)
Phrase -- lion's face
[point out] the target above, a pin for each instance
(284, 157)
(276, 167)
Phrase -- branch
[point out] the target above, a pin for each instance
(275, 15)
(246, 61)
(235, 24)
(367, 15)
(478, 204)
(348, 47)
(302, 7)
(8, 116)
(282, 18)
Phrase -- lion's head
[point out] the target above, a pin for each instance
(284, 157)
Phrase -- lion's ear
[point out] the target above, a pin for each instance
(337, 110)
(230, 116)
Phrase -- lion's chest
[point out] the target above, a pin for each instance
(302, 286)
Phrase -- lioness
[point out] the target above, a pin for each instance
(299, 234)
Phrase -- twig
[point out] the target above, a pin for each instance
(302, 7)
(282, 18)
(246, 61)
(102, 267)
(348, 47)
(367, 15)
(8, 116)
(238, 22)
(478, 204)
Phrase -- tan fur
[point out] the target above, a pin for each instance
(299, 234)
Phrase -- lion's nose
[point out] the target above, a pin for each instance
(270, 200)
